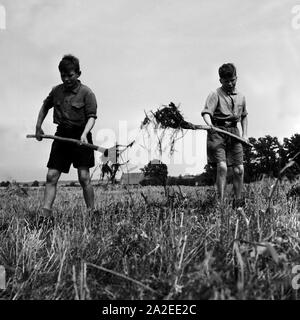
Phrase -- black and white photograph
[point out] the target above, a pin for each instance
(149, 153)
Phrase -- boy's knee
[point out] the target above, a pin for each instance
(52, 177)
(238, 170)
(222, 167)
(84, 179)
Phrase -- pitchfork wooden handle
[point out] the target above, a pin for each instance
(88, 145)
(203, 127)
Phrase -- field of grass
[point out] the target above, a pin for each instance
(144, 244)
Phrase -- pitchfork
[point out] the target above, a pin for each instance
(108, 153)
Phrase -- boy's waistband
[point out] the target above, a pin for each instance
(224, 123)
(70, 131)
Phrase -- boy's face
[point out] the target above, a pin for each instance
(228, 84)
(69, 78)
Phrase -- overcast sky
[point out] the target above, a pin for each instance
(137, 55)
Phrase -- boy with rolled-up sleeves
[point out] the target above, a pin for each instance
(224, 108)
(74, 111)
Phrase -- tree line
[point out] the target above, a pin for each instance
(7, 183)
(266, 158)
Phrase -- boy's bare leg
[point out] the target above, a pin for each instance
(50, 190)
(87, 188)
(238, 178)
(221, 179)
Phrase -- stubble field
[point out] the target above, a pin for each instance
(151, 243)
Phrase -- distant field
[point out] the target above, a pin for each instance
(145, 244)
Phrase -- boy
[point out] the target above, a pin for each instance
(74, 113)
(224, 108)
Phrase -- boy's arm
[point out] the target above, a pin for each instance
(207, 119)
(244, 125)
(244, 121)
(38, 128)
(88, 127)
(48, 103)
(210, 107)
(91, 114)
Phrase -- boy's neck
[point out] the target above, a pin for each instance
(75, 86)
(232, 92)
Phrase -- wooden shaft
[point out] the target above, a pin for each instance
(88, 145)
(204, 127)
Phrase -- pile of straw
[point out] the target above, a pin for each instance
(166, 118)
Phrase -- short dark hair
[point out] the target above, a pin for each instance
(227, 70)
(69, 62)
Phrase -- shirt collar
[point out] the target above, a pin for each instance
(75, 89)
(234, 93)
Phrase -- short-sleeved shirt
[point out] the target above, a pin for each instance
(72, 108)
(226, 107)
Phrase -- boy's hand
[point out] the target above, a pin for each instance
(244, 136)
(38, 132)
(212, 129)
(83, 138)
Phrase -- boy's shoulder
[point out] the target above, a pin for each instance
(57, 87)
(213, 94)
(86, 89)
(83, 88)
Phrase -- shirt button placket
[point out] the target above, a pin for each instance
(232, 104)
(66, 102)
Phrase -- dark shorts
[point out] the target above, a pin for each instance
(63, 154)
(221, 147)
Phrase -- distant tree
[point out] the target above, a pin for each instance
(4, 183)
(180, 180)
(171, 181)
(208, 177)
(291, 146)
(266, 157)
(156, 172)
(267, 154)
(251, 165)
(35, 183)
